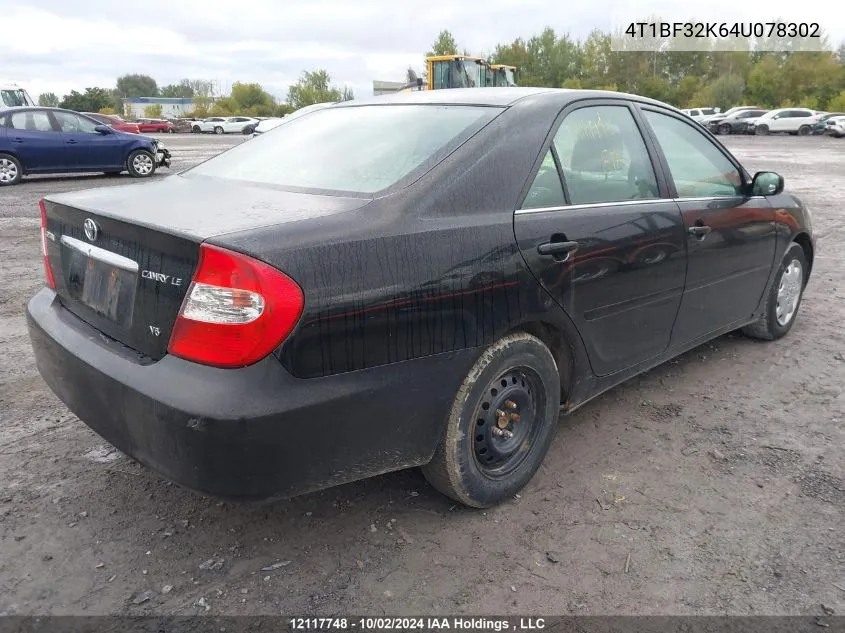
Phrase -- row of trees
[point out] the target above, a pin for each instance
(248, 99)
(683, 78)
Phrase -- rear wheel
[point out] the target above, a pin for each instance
(784, 297)
(11, 170)
(502, 421)
(196, 129)
(218, 130)
(804, 130)
(141, 164)
(761, 130)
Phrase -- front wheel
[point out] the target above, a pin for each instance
(196, 129)
(724, 129)
(501, 424)
(218, 130)
(761, 130)
(804, 130)
(11, 170)
(784, 297)
(141, 164)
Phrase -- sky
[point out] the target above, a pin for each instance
(62, 45)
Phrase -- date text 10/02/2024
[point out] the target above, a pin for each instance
(420, 624)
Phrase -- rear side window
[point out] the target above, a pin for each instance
(546, 190)
(34, 121)
(360, 149)
(604, 157)
(70, 122)
(697, 166)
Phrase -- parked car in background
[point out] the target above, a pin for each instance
(706, 121)
(114, 121)
(151, 126)
(699, 114)
(227, 125)
(180, 125)
(477, 300)
(268, 124)
(736, 123)
(836, 126)
(53, 140)
(820, 121)
(784, 120)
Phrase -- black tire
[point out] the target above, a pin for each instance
(531, 389)
(248, 130)
(196, 129)
(141, 164)
(769, 327)
(218, 130)
(761, 130)
(725, 128)
(11, 170)
(804, 130)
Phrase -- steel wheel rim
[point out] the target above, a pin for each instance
(142, 164)
(789, 292)
(500, 443)
(8, 170)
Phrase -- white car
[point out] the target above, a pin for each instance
(790, 120)
(836, 126)
(226, 125)
(699, 114)
(268, 124)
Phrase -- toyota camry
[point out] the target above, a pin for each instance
(422, 279)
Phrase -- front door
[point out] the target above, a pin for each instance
(731, 235)
(34, 139)
(598, 232)
(87, 149)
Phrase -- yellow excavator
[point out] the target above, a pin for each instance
(461, 71)
(502, 75)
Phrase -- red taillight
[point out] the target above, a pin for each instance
(237, 310)
(48, 271)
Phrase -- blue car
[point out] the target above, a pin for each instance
(53, 140)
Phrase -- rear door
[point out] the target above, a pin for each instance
(87, 149)
(34, 138)
(730, 235)
(599, 232)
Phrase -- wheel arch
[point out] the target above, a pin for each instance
(14, 155)
(803, 240)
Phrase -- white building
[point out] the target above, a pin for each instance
(174, 107)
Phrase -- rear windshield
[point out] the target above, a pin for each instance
(358, 149)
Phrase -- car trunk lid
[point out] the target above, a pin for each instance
(123, 263)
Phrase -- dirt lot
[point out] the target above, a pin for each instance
(713, 484)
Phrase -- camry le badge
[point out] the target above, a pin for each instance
(92, 231)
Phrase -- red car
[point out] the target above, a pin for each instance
(155, 125)
(114, 121)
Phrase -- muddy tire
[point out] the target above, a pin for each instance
(501, 423)
(141, 164)
(11, 170)
(784, 297)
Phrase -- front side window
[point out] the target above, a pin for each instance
(697, 166)
(604, 157)
(546, 190)
(360, 149)
(74, 123)
(32, 120)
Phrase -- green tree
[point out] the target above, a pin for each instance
(153, 111)
(92, 100)
(837, 104)
(183, 89)
(252, 98)
(135, 85)
(312, 87)
(107, 111)
(48, 100)
(445, 44)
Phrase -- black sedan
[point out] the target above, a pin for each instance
(421, 279)
(736, 123)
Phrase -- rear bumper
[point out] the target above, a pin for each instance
(255, 432)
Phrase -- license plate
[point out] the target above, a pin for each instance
(101, 281)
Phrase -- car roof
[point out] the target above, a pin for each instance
(6, 110)
(493, 96)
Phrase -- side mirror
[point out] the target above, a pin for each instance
(766, 183)
(103, 129)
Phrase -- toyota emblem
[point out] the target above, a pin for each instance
(92, 231)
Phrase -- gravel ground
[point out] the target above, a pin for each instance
(712, 484)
